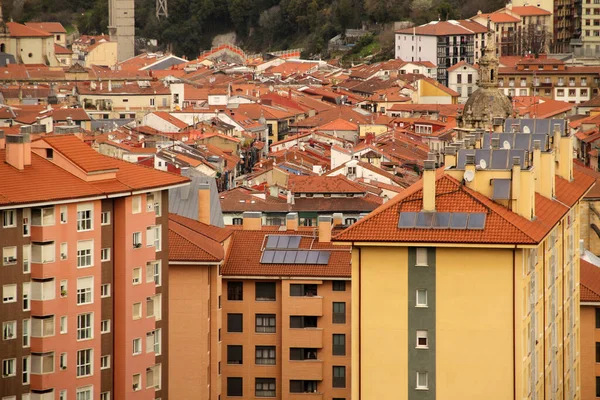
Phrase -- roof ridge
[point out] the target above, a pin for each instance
(216, 256)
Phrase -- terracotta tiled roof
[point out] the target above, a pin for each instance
(502, 225)
(590, 281)
(245, 251)
(171, 119)
(527, 11)
(213, 232)
(78, 152)
(339, 124)
(58, 49)
(191, 240)
(18, 30)
(52, 27)
(77, 114)
(444, 28)
(461, 64)
(498, 17)
(594, 192)
(323, 184)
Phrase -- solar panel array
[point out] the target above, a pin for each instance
(534, 125)
(516, 141)
(441, 220)
(283, 241)
(494, 158)
(320, 257)
(501, 189)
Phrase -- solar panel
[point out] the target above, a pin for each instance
(283, 242)
(459, 220)
(476, 221)
(517, 153)
(462, 157)
(301, 256)
(294, 242)
(501, 189)
(441, 220)
(407, 220)
(507, 137)
(267, 257)
(323, 257)
(290, 257)
(279, 257)
(313, 257)
(499, 158)
(272, 241)
(424, 220)
(523, 141)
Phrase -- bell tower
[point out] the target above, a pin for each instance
(488, 63)
(121, 27)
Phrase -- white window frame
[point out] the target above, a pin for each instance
(85, 326)
(64, 324)
(105, 326)
(420, 385)
(85, 253)
(423, 305)
(137, 315)
(9, 293)
(62, 361)
(9, 330)
(64, 251)
(105, 396)
(85, 359)
(9, 367)
(105, 290)
(136, 276)
(136, 382)
(136, 346)
(25, 371)
(136, 204)
(64, 288)
(105, 218)
(85, 217)
(26, 258)
(9, 255)
(154, 272)
(105, 254)
(9, 219)
(154, 342)
(105, 362)
(26, 296)
(137, 240)
(26, 334)
(422, 334)
(85, 393)
(421, 257)
(86, 291)
(63, 215)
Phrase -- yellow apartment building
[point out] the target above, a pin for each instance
(466, 285)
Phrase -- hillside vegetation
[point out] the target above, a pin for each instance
(260, 25)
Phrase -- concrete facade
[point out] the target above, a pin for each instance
(121, 27)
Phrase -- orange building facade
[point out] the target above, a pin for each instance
(590, 330)
(83, 247)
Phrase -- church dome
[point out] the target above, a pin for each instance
(485, 104)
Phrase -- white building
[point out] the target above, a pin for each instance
(463, 78)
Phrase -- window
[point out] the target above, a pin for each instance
(421, 297)
(105, 396)
(105, 218)
(85, 326)
(26, 295)
(137, 382)
(458, 78)
(26, 330)
(26, 222)
(470, 78)
(234, 387)
(105, 254)
(265, 387)
(84, 217)
(85, 290)
(64, 250)
(598, 318)
(339, 377)
(303, 354)
(597, 352)
(265, 355)
(137, 310)
(153, 272)
(42, 363)
(9, 219)
(153, 342)
(422, 381)
(303, 386)
(152, 102)
(9, 293)
(265, 291)
(9, 367)
(43, 252)
(104, 362)
(235, 291)
(339, 344)
(42, 216)
(234, 354)
(265, 323)
(26, 258)
(42, 326)
(598, 386)
(63, 361)
(339, 286)
(421, 257)
(63, 288)
(9, 255)
(84, 362)
(154, 306)
(303, 289)
(25, 370)
(63, 215)
(137, 276)
(85, 249)
(422, 342)
(9, 330)
(153, 377)
(237, 221)
(235, 322)
(339, 313)
(63, 324)
(105, 326)
(137, 346)
(43, 289)
(105, 290)
(303, 321)
(136, 204)
(137, 240)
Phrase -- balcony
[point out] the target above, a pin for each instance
(306, 305)
(306, 337)
(311, 370)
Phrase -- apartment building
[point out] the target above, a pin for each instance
(463, 79)
(549, 78)
(495, 229)
(444, 43)
(589, 43)
(83, 288)
(590, 330)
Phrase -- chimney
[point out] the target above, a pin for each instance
(16, 147)
(204, 203)
(2, 140)
(470, 166)
(495, 142)
(324, 229)
(516, 184)
(338, 219)
(565, 157)
(537, 167)
(429, 185)
(546, 173)
(450, 156)
(252, 220)
(291, 221)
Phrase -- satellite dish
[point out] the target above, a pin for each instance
(482, 164)
(526, 129)
(506, 145)
(271, 88)
(469, 175)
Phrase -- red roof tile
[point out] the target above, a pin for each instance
(52, 27)
(530, 11)
(190, 240)
(339, 124)
(171, 119)
(444, 28)
(590, 282)
(323, 184)
(18, 30)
